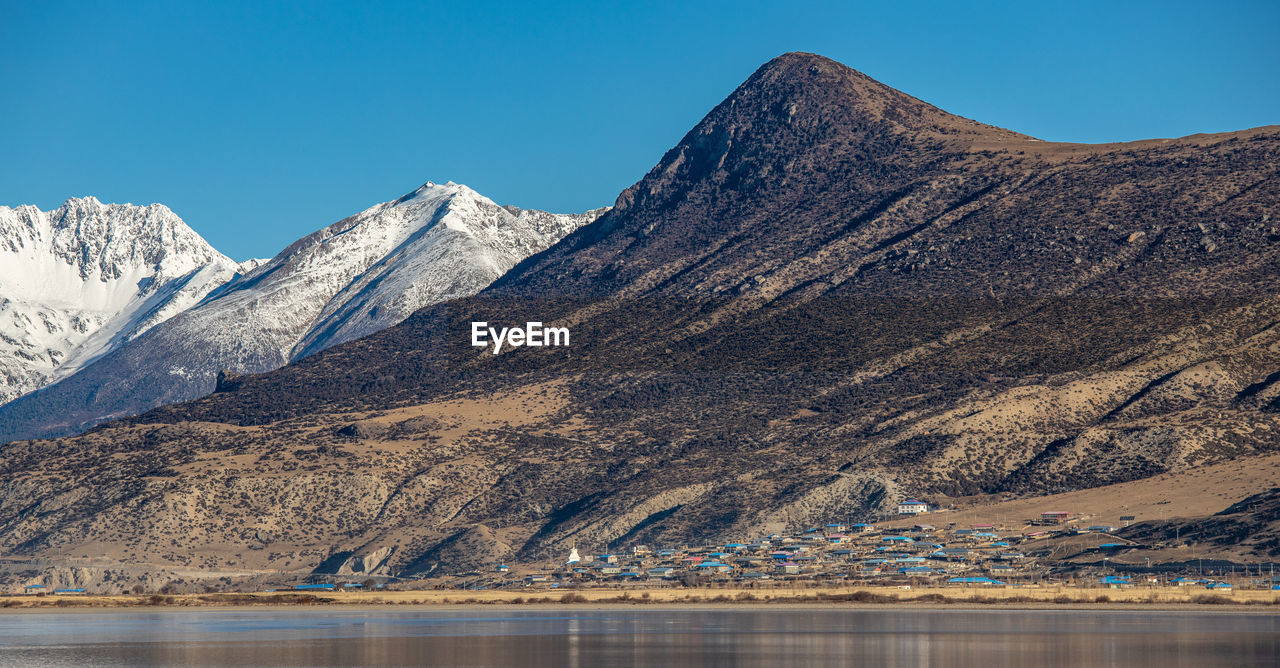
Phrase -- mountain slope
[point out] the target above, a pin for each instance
(826, 296)
(355, 277)
(81, 280)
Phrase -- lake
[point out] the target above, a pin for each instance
(754, 636)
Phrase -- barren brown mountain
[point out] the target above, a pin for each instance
(828, 295)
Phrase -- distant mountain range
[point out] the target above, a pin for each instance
(827, 296)
(129, 308)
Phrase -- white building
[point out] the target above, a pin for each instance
(912, 507)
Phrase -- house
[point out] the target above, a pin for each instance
(714, 566)
(1054, 517)
(952, 553)
(1116, 581)
(537, 577)
(661, 572)
(863, 528)
(835, 528)
(916, 570)
(502, 568)
(787, 567)
(912, 507)
(966, 581)
(1188, 582)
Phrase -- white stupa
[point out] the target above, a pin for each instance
(573, 556)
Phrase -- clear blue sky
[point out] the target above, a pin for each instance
(258, 122)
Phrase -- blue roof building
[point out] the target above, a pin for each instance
(974, 580)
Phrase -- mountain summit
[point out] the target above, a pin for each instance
(803, 132)
(87, 277)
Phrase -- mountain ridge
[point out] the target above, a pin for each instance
(357, 276)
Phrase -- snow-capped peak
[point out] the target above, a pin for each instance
(77, 281)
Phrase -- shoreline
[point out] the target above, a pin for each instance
(1055, 598)
(655, 607)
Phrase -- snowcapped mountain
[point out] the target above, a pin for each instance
(366, 273)
(355, 277)
(79, 281)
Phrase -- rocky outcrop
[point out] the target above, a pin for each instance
(373, 562)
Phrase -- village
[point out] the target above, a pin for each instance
(914, 550)
(922, 546)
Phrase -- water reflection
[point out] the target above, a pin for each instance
(733, 637)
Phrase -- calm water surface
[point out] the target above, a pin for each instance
(748, 637)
